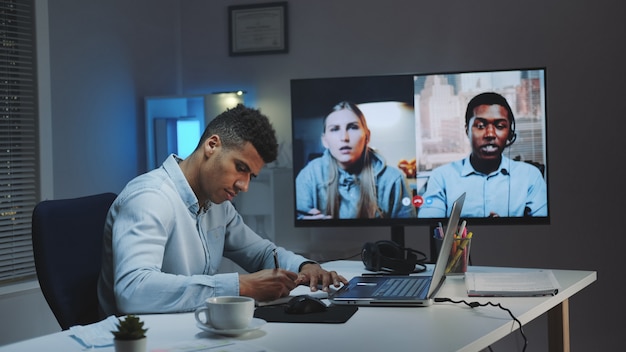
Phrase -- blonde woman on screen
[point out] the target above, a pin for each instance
(350, 179)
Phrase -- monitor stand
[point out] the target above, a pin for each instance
(397, 236)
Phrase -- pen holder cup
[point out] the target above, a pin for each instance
(459, 256)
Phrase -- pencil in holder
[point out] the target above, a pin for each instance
(459, 255)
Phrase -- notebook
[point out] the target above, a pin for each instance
(392, 290)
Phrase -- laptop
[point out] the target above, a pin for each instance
(390, 290)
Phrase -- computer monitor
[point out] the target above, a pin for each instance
(420, 128)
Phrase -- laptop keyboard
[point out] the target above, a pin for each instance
(401, 288)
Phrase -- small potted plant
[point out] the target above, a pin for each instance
(130, 335)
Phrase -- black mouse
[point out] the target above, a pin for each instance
(304, 304)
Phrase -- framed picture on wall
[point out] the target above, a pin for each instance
(257, 29)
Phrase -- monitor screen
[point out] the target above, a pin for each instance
(397, 150)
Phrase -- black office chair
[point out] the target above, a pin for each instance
(67, 245)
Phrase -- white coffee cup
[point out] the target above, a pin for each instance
(226, 312)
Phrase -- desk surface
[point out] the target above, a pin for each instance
(440, 327)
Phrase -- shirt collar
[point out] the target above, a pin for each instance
(182, 185)
(467, 168)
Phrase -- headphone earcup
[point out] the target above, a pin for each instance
(370, 257)
(511, 139)
(512, 134)
(390, 249)
(389, 256)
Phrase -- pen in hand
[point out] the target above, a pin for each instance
(276, 259)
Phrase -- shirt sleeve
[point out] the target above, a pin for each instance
(306, 189)
(395, 192)
(434, 205)
(537, 195)
(253, 252)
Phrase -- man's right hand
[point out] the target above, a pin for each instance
(267, 285)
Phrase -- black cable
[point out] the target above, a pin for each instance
(498, 305)
(342, 258)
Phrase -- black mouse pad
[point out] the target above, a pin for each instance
(332, 315)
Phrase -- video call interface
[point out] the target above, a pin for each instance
(417, 121)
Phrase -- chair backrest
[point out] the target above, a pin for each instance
(67, 245)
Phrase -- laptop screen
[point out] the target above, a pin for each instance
(444, 253)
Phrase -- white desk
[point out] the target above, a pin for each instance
(442, 327)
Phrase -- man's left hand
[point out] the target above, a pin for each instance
(315, 275)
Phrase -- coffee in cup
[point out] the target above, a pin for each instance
(226, 312)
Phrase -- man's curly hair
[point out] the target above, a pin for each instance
(242, 124)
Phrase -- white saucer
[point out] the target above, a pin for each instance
(255, 324)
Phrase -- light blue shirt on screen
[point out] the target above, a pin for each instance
(508, 191)
(161, 253)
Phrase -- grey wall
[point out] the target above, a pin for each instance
(105, 56)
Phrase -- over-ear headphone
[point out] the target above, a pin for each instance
(389, 256)
(512, 134)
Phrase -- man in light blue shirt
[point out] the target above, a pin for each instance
(168, 230)
(495, 185)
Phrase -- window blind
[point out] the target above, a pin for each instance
(18, 139)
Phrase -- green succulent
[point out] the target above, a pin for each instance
(131, 328)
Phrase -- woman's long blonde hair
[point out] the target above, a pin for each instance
(367, 207)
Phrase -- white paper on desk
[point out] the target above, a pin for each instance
(97, 334)
(514, 284)
(209, 345)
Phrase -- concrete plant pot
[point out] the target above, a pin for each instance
(131, 345)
